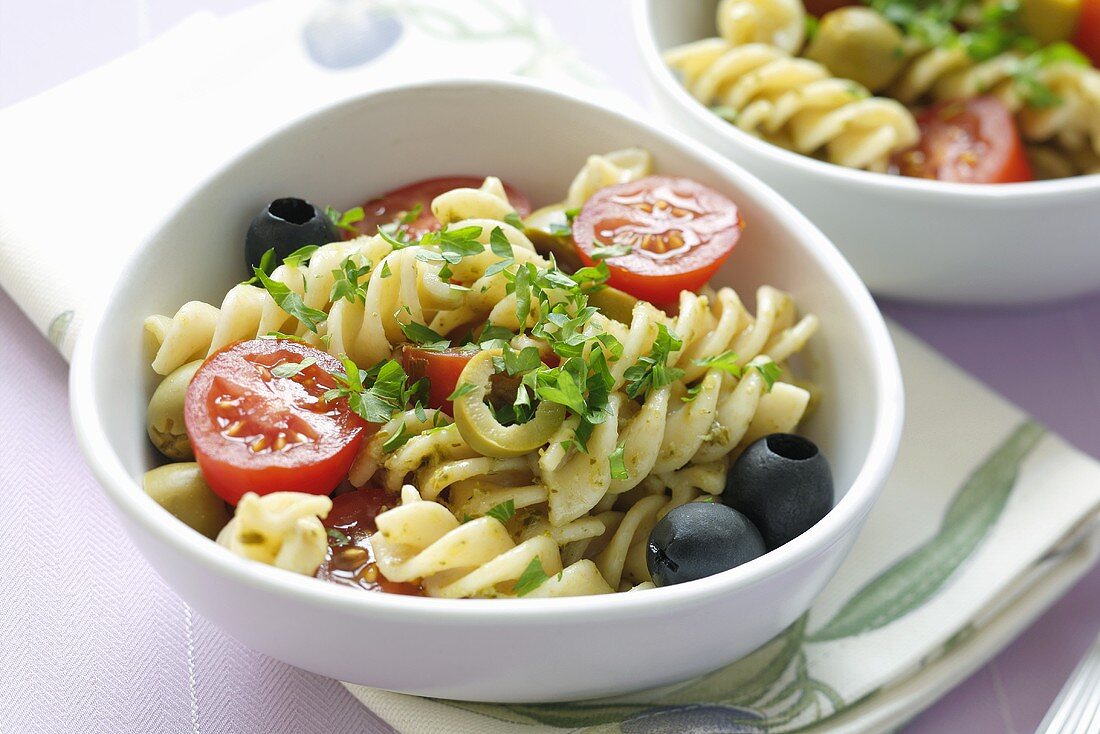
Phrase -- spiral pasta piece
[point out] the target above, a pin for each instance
(198, 329)
(422, 540)
(795, 103)
(280, 529)
(619, 166)
(950, 73)
(781, 23)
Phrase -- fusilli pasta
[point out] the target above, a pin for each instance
(281, 529)
(567, 511)
(795, 103)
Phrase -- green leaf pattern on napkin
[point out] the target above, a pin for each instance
(514, 23)
(772, 690)
(59, 327)
(913, 580)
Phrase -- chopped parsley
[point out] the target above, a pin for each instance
(300, 256)
(502, 248)
(291, 302)
(346, 284)
(618, 466)
(768, 369)
(376, 394)
(608, 251)
(726, 361)
(503, 512)
(268, 263)
(652, 371)
(463, 389)
(345, 220)
(532, 577)
(421, 335)
(290, 369)
(398, 439)
(517, 362)
(411, 215)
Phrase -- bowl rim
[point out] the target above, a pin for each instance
(931, 191)
(127, 495)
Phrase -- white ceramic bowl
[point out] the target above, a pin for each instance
(908, 238)
(496, 650)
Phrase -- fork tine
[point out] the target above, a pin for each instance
(1078, 703)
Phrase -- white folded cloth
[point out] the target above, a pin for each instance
(986, 520)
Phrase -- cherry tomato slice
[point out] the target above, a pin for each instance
(254, 431)
(1087, 36)
(389, 207)
(442, 370)
(678, 231)
(350, 557)
(967, 141)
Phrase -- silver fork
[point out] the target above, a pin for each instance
(1076, 710)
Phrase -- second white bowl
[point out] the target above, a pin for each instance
(908, 238)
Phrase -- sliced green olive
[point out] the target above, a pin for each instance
(164, 419)
(180, 489)
(614, 303)
(549, 231)
(859, 44)
(480, 428)
(1049, 20)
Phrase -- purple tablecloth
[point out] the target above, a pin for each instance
(91, 641)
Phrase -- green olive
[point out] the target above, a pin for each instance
(164, 419)
(480, 428)
(614, 303)
(180, 489)
(859, 44)
(549, 231)
(1049, 20)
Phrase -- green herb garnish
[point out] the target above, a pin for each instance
(268, 263)
(768, 369)
(345, 220)
(652, 371)
(618, 466)
(532, 577)
(503, 512)
(608, 251)
(463, 389)
(726, 361)
(291, 302)
(290, 369)
(345, 282)
(421, 335)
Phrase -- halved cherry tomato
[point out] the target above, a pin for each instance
(967, 141)
(441, 368)
(350, 557)
(389, 207)
(678, 232)
(1087, 36)
(253, 431)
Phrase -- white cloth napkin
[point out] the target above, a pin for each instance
(986, 520)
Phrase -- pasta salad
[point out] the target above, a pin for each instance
(973, 91)
(445, 393)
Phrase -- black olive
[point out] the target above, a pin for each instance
(700, 539)
(287, 225)
(782, 483)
